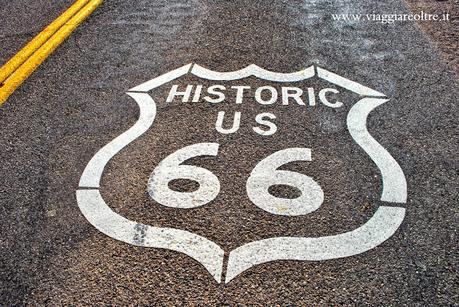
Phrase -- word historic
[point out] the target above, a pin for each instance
(263, 95)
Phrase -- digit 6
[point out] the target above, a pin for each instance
(265, 174)
(170, 169)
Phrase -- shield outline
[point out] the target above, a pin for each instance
(380, 227)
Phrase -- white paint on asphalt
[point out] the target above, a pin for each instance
(170, 169)
(234, 127)
(164, 78)
(393, 179)
(93, 171)
(99, 214)
(256, 71)
(379, 228)
(323, 98)
(262, 119)
(266, 174)
(347, 84)
(252, 70)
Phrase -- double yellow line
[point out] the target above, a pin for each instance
(24, 63)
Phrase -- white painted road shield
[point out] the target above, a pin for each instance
(379, 228)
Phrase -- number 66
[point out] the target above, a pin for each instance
(264, 175)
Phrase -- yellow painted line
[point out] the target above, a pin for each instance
(39, 40)
(28, 67)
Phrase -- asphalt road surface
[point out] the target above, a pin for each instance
(334, 185)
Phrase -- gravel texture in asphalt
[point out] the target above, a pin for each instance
(76, 103)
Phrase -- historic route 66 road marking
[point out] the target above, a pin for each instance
(376, 230)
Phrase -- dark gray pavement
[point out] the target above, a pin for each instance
(22, 20)
(76, 103)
